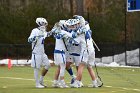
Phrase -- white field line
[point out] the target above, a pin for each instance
(21, 78)
(51, 81)
(123, 88)
(16, 78)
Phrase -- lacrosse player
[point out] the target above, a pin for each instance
(39, 58)
(59, 54)
(87, 53)
(69, 26)
(74, 49)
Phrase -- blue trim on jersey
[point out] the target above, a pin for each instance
(74, 35)
(63, 58)
(35, 61)
(58, 36)
(82, 55)
(74, 54)
(87, 35)
(59, 51)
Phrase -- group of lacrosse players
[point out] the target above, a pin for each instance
(73, 45)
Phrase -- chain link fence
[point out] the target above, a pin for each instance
(109, 52)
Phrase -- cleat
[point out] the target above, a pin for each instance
(99, 82)
(55, 84)
(75, 84)
(95, 86)
(63, 85)
(42, 83)
(39, 86)
(81, 84)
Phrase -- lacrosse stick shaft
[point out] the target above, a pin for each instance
(32, 51)
(95, 45)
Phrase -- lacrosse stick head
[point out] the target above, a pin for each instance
(99, 82)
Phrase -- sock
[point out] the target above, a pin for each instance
(73, 76)
(94, 82)
(41, 78)
(36, 76)
(70, 71)
(62, 81)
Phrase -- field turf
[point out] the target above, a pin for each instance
(115, 79)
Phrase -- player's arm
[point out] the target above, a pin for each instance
(34, 36)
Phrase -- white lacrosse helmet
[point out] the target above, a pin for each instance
(41, 21)
(72, 22)
(82, 20)
(62, 22)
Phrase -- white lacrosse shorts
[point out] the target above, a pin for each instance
(40, 60)
(59, 58)
(73, 59)
(88, 58)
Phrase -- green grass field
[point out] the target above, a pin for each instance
(116, 80)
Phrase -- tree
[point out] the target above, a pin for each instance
(79, 4)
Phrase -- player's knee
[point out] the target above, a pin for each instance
(89, 66)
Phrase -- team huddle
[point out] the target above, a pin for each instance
(73, 45)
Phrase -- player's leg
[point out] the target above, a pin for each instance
(57, 72)
(62, 72)
(92, 75)
(80, 71)
(77, 62)
(36, 65)
(83, 62)
(90, 69)
(79, 76)
(43, 73)
(56, 77)
(69, 69)
(61, 62)
(46, 64)
(69, 61)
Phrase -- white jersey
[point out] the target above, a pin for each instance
(38, 45)
(39, 58)
(60, 48)
(81, 40)
(87, 50)
(89, 41)
(60, 42)
(59, 45)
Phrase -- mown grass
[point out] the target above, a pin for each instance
(116, 80)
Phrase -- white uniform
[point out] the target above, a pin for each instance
(74, 56)
(73, 53)
(87, 50)
(59, 52)
(38, 54)
(73, 50)
(60, 49)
